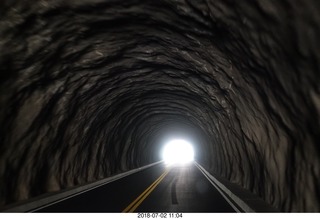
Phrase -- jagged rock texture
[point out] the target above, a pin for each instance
(94, 88)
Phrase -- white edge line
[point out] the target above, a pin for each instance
(219, 190)
(50, 200)
(219, 186)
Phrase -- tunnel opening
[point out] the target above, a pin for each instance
(177, 151)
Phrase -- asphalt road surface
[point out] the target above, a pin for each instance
(160, 188)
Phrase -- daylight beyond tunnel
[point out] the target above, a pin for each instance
(93, 88)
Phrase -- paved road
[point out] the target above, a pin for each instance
(159, 188)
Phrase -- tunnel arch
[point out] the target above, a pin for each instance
(89, 89)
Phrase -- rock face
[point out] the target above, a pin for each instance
(93, 88)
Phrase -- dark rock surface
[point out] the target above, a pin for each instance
(92, 88)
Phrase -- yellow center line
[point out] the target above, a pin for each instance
(133, 206)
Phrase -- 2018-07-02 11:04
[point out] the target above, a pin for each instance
(159, 215)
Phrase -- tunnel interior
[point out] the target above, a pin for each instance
(91, 88)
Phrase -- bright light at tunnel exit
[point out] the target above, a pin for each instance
(178, 152)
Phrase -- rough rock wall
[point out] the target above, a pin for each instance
(92, 88)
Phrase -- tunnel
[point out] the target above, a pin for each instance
(93, 88)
